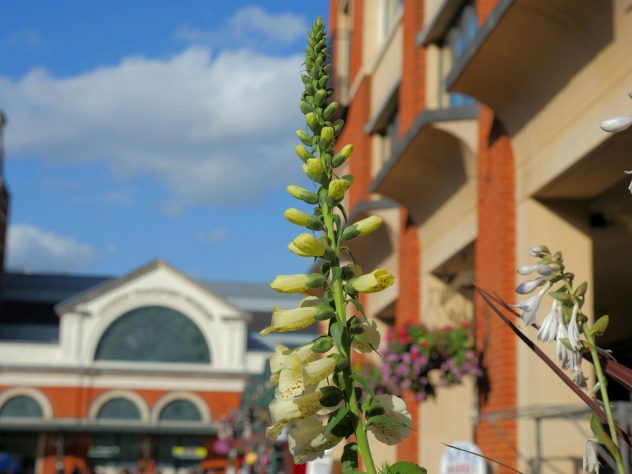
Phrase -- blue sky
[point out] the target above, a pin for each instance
(152, 129)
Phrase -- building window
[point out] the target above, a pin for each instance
(460, 34)
(119, 409)
(180, 410)
(21, 407)
(154, 334)
(391, 10)
(389, 139)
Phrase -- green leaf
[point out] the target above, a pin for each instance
(322, 344)
(602, 437)
(349, 459)
(336, 417)
(406, 468)
(599, 328)
(581, 289)
(338, 331)
(382, 420)
(364, 382)
(560, 296)
(331, 396)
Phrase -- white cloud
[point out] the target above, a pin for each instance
(210, 129)
(30, 248)
(214, 235)
(248, 26)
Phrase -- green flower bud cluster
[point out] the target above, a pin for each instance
(305, 387)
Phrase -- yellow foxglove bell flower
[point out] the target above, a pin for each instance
(284, 412)
(306, 245)
(298, 283)
(369, 340)
(307, 440)
(319, 369)
(395, 409)
(363, 227)
(286, 320)
(372, 282)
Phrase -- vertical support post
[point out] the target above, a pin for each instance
(60, 445)
(537, 468)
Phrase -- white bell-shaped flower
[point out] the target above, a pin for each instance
(548, 329)
(395, 409)
(307, 440)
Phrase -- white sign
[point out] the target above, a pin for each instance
(455, 461)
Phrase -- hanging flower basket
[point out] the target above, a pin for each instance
(414, 351)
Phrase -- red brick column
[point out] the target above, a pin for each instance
(407, 312)
(357, 17)
(412, 89)
(495, 271)
(484, 8)
(353, 132)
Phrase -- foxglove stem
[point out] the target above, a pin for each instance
(341, 315)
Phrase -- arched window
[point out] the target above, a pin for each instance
(119, 409)
(21, 406)
(153, 334)
(180, 410)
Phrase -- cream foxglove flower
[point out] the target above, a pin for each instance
(295, 375)
(591, 463)
(298, 283)
(281, 352)
(306, 245)
(573, 330)
(286, 320)
(307, 441)
(531, 305)
(372, 282)
(548, 330)
(284, 412)
(361, 228)
(370, 338)
(395, 409)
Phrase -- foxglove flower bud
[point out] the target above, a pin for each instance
(312, 122)
(286, 320)
(320, 97)
(302, 194)
(304, 137)
(342, 156)
(363, 227)
(303, 219)
(306, 245)
(330, 110)
(373, 282)
(305, 107)
(314, 168)
(337, 189)
(302, 152)
(616, 124)
(298, 283)
(326, 135)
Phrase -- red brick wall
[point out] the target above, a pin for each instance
(412, 89)
(357, 15)
(407, 311)
(495, 270)
(353, 132)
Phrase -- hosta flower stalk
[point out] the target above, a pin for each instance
(310, 385)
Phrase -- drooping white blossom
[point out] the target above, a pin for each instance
(307, 440)
(548, 329)
(395, 409)
(591, 463)
(531, 305)
(573, 330)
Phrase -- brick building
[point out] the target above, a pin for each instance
(101, 374)
(476, 133)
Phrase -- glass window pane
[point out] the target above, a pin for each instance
(180, 410)
(154, 334)
(21, 406)
(119, 409)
